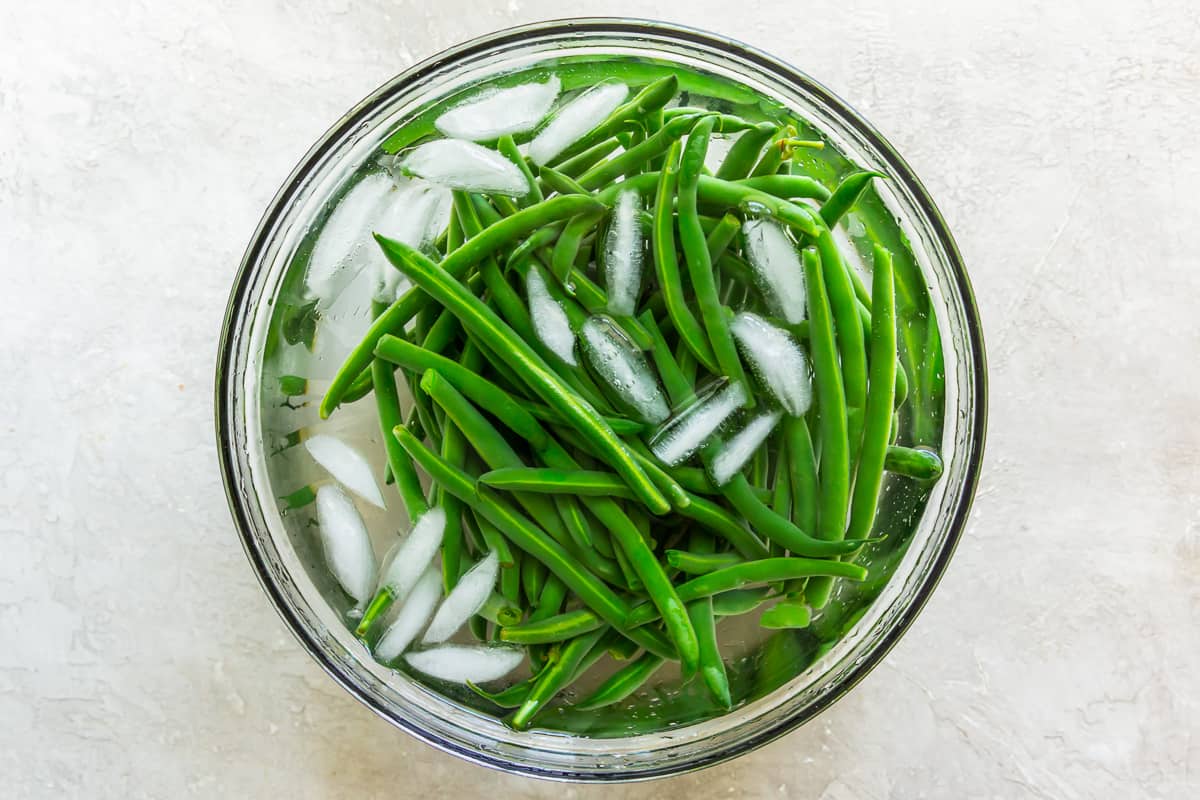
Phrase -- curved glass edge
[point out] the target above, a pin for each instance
(231, 406)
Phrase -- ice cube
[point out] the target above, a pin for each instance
(467, 597)
(684, 433)
(496, 112)
(410, 556)
(345, 239)
(413, 615)
(459, 663)
(457, 164)
(740, 447)
(622, 366)
(623, 250)
(346, 465)
(414, 214)
(347, 545)
(777, 268)
(549, 318)
(777, 359)
(575, 119)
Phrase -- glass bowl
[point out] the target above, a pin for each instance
(251, 435)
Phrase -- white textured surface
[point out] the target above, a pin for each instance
(139, 142)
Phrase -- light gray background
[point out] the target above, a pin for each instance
(139, 142)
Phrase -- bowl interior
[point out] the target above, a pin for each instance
(278, 329)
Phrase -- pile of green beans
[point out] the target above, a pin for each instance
(605, 551)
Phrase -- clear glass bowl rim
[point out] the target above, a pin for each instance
(225, 383)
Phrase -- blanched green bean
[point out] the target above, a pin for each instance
(518, 355)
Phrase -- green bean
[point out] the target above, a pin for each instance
(846, 195)
(621, 426)
(535, 242)
(424, 411)
(497, 610)
(387, 400)
(802, 475)
(510, 576)
(696, 481)
(679, 390)
(700, 612)
(771, 160)
(851, 348)
(519, 530)
(622, 683)
(700, 269)
(506, 300)
(725, 525)
(700, 563)
(576, 166)
(550, 601)
(802, 472)
(640, 558)
(490, 211)
(880, 396)
(740, 159)
(763, 571)
(726, 123)
(533, 580)
(360, 387)
(738, 270)
(552, 629)
(778, 529)
(739, 601)
(639, 154)
(482, 392)
(720, 195)
(781, 488)
(576, 523)
(515, 695)
(924, 465)
(492, 448)
(508, 148)
(759, 467)
(518, 355)
(834, 470)
(555, 181)
(661, 478)
(735, 194)
(666, 265)
(567, 246)
(444, 332)
(583, 483)
(456, 265)
(788, 186)
(637, 552)
(651, 98)
(770, 570)
(509, 697)
(721, 236)
(860, 291)
(631, 577)
(621, 648)
(453, 450)
(493, 540)
(554, 678)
